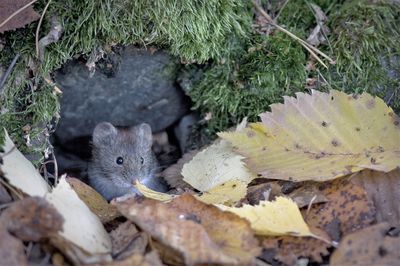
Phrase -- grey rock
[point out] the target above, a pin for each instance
(141, 89)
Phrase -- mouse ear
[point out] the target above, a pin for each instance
(103, 133)
(144, 134)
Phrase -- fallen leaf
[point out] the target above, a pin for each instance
(189, 229)
(150, 259)
(288, 249)
(321, 137)
(4, 196)
(280, 217)
(96, 203)
(83, 235)
(369, 246)
(32, 219)
(172, 175)
(26, 16)
(214, 166)
(20, 172)
(383, 189)
(12, 250)
(228, 193)
(127, 240)
(307, 194)
(29, 219)
(81, 226)
(348, 207)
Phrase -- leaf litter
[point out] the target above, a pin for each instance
(238, 174)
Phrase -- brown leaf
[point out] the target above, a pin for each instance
(196, 232)
(348, 206)
(150, 259)
(96, 203)
(4, 196)
(287, 249)
(126, 240)
(12, 250)
(369, 246)
(32, 219)
(8, 7)
(306, 194)
(383, 189)
(172, 174)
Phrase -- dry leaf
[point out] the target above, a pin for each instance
(228, 193)
(288, 249)
(12, 250)
(150, 259)
(188, 228)
(280, 217)
(369, 246)
(26, 16)
(127, 240)
(321, 137)
(214, 166)
(96, 203)
(20, 172)
(172, 174)
(383, 189)
(32, 219)
(29, 219)
(307, 194)
(81, 226)
(347, 210)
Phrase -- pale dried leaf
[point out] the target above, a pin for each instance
(214, 166)
(20, 172)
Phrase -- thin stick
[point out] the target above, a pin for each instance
(8, 72)
(16, 13)
(313, 51)
(38, 28)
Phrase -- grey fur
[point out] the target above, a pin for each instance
(134, 146)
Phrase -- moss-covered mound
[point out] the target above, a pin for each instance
(242, 71)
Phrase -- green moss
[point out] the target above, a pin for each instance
(245, 86)
(365, 39)
(192, 30)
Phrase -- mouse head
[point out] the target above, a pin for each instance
(123, 155)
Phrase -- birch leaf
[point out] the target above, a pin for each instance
(279, 217)
(227, 193)
(320, 137)
(214, 166)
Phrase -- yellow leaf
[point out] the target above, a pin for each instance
(152, 194)
(214, 166)
(228, 193)
(280, 217)
(321, 137)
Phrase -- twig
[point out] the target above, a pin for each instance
(38, 28)
(8, 72)
(280, 11)
(16, 13)
(11, 188)
(311, 49)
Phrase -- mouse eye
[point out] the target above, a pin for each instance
(141, 160)
(120, 160)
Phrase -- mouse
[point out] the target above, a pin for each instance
(120, 156)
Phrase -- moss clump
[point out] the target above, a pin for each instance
(366, 43)
(193, 30)
(268, 68)
(363, 35)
